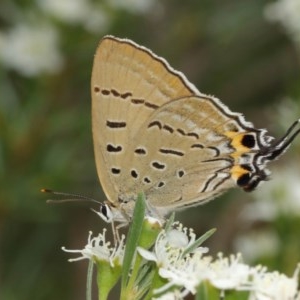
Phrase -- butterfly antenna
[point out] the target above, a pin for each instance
(282, 144)
(70, 197)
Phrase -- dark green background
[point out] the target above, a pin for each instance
(226, 48)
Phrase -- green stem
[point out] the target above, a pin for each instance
(202, 292)
(107, 277)
(89, 280)
(157, 282)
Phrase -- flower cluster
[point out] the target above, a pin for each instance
(184, 266)
(224, 273)
(98, 249)
(31, 50)
(31, 45)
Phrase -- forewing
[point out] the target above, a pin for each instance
(129, 83)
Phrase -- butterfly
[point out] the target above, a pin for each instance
(155, 133)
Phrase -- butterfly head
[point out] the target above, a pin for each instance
(105, 213)
(110, 213)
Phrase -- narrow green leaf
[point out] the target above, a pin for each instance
(199, 241)
(145, 272)
(133, 237)
(169, 222)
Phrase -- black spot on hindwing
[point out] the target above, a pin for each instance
(159, 166)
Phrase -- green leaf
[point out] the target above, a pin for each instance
(170, 222)
(206, 291)
(198, 242)
(202, 293)
(133, 238)
(107, 277)
(236, 295)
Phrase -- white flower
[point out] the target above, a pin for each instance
(96, 20)
(229, 273)
(187, 272)
(98, 248)
(31, 50)
(70, 11)
(170, 246)
(185, 266)
(223, 273)
(173, 263)
(286, 12)
(273, 285)
(134, 6)
(91, 15)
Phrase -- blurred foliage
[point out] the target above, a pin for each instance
(227, 49)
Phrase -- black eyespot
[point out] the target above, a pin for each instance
(155, 123)
(158, 165)
(243, 180)
(168, 128)
(248, 141)
(140, 151)
(112, 148)
(115, 171)
(146, 180)
(161, 184)
(180, 173)
(115, 93)
(134, 173)
(115, 124)
(103, 92)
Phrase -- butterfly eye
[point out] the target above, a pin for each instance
(105, 213)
